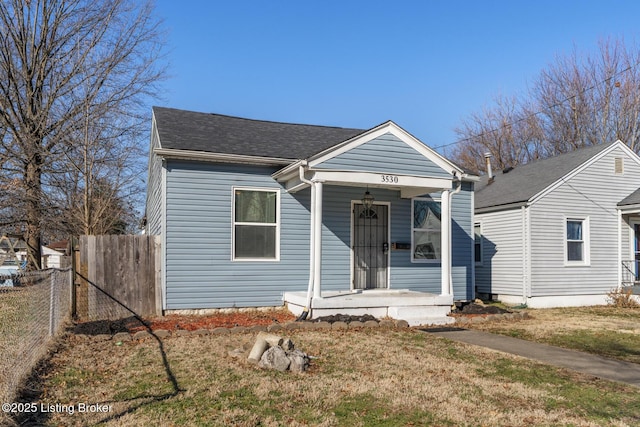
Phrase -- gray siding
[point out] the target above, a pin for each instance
(154, 188)
(592, 193)
(501, 271)
(199, 270)
(386, 153)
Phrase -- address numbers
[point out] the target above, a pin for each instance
(389, 179)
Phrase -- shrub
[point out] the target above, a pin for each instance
(622, 298)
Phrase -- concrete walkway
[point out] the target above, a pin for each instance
(601, 367)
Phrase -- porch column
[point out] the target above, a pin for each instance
(619, 248)
(316, 206)
(445, 239)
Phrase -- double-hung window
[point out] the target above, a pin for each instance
(426, 230)
(577, 241)
(256, 225)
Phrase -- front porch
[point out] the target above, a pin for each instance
(417, 308)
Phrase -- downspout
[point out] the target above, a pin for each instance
(523, 210)
(305, 312)
(456, 191)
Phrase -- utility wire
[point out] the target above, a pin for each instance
(557, 104)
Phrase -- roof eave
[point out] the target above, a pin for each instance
(205, 156)
(496, 208)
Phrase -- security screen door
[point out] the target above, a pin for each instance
(370, 246)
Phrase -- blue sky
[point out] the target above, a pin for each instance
(426, 65)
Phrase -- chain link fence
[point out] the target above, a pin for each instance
(32, 312)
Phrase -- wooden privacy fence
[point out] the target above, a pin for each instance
(117, 276)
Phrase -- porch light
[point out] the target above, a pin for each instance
(367, 200)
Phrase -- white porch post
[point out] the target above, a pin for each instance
(445, 239)
(316, 206)
(619, 248)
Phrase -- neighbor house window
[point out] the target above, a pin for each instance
(425, 238)
(577, 243)
(477, 243)
(256, 224)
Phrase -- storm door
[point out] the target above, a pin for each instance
(370, 246)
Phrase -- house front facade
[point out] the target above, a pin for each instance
(559, 231)
(251, 211)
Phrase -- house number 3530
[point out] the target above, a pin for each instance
(391, 179)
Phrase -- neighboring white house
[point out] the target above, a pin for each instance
(563, 231)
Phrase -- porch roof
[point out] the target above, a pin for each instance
(631, 203)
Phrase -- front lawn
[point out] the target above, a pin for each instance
(367, 377)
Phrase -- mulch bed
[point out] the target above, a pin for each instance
(175, 322)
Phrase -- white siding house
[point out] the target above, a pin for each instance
(561, 231)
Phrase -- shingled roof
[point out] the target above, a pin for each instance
(631, 199)
(216, 133)
(523, 182)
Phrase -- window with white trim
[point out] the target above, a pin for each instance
(426, 230)
(577, 241)
(477, 243)
(256, 225)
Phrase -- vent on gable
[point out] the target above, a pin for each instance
(618, 165)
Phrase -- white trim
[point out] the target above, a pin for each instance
(475, 262)
(632, 236)
(351, 251)
(383, 180)
(586, 241)
(412, 229)
(205, 156)
(163, 225)
(233, 223)
(398, 132)
(316, 205)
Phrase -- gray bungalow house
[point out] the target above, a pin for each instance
(563, 231)
(325, 220)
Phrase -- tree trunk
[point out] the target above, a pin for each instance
(33, 188)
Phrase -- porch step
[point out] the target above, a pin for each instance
(416, 308)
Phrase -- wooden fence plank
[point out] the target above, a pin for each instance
(120, 270)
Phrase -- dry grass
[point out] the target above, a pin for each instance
(358, 378)
(605, 330)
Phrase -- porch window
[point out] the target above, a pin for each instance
(425, 238)
(256, 224)
(576, 243)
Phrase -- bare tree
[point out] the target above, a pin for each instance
(65, 64)
(577, 101)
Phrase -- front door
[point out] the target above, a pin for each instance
(370, 246)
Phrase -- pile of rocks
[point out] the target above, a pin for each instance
(275, 352)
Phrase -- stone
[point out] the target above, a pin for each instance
(299, 361)
(287, 345)
(355, 324)
(339, 325)
(275, 358)
(141, 335)
(321, 325)
(162, 333)
(402, 324)
(122, 336)
(236, 353)
(386, 323)
(258, 328)
(275, 327)
(371, 324)
(220, 331)
(259, 348)
(201, 332)
(181, 333)
(272, 339)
